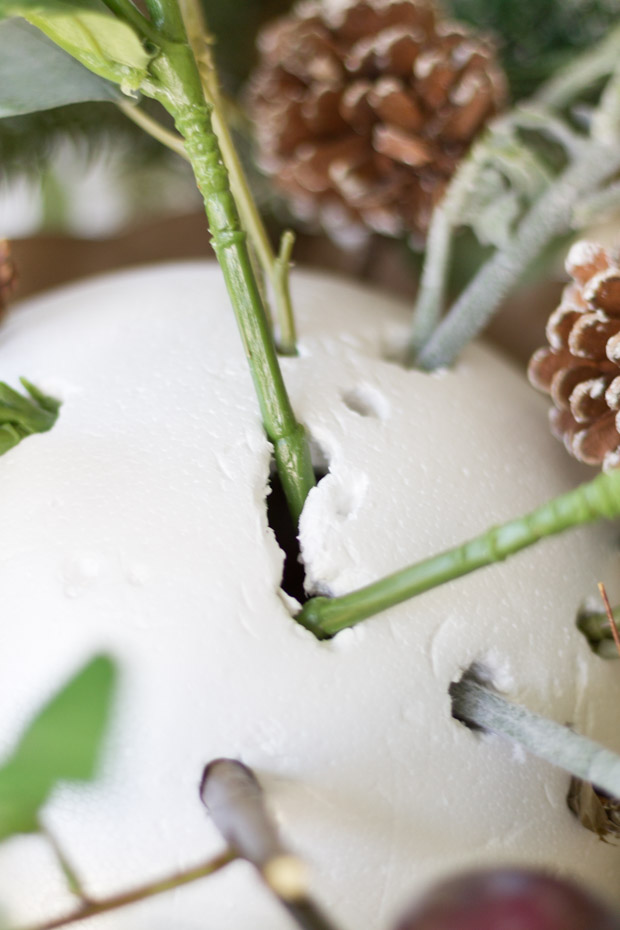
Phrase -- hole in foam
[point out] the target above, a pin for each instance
(367, 401)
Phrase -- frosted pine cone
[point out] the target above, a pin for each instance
(581, 369)
(364, 107)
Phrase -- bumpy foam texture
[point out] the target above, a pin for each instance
(137, 525)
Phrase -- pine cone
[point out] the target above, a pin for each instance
(364, 107)
(8, 274)
(581, 369)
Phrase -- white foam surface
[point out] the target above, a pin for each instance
(137, 526)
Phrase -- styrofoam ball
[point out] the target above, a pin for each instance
(138, 525)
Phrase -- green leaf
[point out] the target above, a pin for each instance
(35, 74)
(90, 33)
(22, 416)
(61, 744)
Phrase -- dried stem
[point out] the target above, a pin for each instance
(113, 903)
(610, 616)
(479, 706)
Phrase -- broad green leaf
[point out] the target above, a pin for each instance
(35, 74)
(62, 743)
(90, 33)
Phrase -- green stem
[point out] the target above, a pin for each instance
(113, 903)
(478, 705)
(549, 217)
(125, 10)
(594, 500)
(279, 276)
(275, 269)
(178, 87)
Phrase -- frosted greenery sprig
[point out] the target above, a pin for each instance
(595, 500)
(519, 200)
(21, 416)
(478, 705)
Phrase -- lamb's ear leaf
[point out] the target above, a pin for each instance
(90, 33)
(62, 743)
(35, 74)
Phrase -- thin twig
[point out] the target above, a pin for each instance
(610, 616)
(142, 119)
(102, 906)
(479, 706)
(73, 879)
(231, 793)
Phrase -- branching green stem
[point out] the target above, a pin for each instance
(478, 705)
(104, 905)
(595, 500)
(274, 268)
(176, 83)
(550, 216)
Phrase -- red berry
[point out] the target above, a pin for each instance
(509, 899)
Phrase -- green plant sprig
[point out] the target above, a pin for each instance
(595, 500)
(154, 57)
(275, 268)
(22, 416)
(175, 82)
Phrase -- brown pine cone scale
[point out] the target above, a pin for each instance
(581, 367)
(363, 109)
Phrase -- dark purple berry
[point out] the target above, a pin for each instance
(509, 899)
